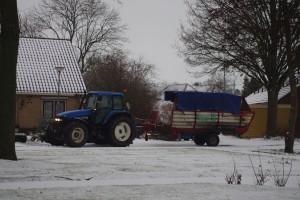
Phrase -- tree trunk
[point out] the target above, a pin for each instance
(290, 135)
(9, 40)
(271, 129)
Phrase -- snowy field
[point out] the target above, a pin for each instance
(148, 170)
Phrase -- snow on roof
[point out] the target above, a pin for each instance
(202, 88)
(37, 60)
(262, 95)
(179, 87)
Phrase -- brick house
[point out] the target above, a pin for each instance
(258, 103)
(37, 80)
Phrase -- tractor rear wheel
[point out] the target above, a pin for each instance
(76, 134)
(120, 131)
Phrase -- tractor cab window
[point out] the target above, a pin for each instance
(104, 105)
(118, 103)
(104, 102)
(90, 101)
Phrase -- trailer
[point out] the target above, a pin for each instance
(201, 114)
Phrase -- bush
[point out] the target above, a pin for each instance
(261, 175)
(234, 177)
(42, 124)
(281, 176)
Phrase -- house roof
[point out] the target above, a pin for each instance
(261, 96)
(37, 60)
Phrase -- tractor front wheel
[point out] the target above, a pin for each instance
(76, 134)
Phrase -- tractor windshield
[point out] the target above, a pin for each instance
(89, 102)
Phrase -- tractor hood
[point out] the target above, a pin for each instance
(75, 113)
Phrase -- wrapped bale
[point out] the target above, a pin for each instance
(165, 112)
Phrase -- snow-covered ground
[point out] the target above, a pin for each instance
(148, 170)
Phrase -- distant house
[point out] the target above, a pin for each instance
(258, 102)
(37, 80)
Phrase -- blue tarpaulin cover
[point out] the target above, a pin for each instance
(205, 101)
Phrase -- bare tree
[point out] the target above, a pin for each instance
(247, 36)
(29, 28)
(219, 82)
(107, 73)
(91, 25)
(291, 21)
(9, 41)
(117, 73)
(250, 86)
(142, 88)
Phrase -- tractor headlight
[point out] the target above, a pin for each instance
(58, 119)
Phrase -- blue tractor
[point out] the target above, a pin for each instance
(102, 118)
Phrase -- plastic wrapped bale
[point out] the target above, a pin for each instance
(165, 112)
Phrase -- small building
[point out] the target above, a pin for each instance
(37, 81)
(258, 102)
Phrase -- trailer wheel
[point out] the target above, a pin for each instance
(199, 139)
(76, 134)
(212, 140)
(120, 131)
(50, 138)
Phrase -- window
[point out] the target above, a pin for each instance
(104, 102)
(104, 105)
(90, 101)
(60, 106)
(47, 109)
(51, 108)
(118, 104)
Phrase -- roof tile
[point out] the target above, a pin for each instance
(37, 60)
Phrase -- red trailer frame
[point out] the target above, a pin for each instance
(205, 124)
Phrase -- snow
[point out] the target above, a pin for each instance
(261, 96)
(37, 59)
(147, 170)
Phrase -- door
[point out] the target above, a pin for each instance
(103, 107)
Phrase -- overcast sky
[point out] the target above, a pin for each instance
(152, 31)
